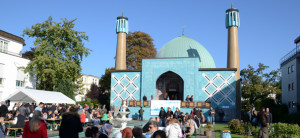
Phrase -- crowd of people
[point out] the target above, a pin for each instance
(262, 119)
(33, 118)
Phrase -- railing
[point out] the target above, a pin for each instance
(290, 54)
(11, 53)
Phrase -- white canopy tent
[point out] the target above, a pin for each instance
(31, 95)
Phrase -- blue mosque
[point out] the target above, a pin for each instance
(181, 68)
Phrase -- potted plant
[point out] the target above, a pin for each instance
(208, 129)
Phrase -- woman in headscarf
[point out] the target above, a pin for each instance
(35, 128)
(105, 131)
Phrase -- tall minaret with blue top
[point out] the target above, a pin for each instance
(232, 24)
(121, 30)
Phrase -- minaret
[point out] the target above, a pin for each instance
(232, 24)
(121, 30)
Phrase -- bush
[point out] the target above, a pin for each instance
(235, 126)
(283, 130)
(89, 102)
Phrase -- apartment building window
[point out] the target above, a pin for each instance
(289, 70)
(19, 83)
(1, 81)
(292, 86)
(3, 46)
(289, 87)
(292, 68)
(289, 104)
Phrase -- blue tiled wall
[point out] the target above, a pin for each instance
(125, 86)
(218, 87)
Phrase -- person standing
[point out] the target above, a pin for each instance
(3, 111)
(269, 116)
(187, 98)
(141, 112)
(169, 112)
(192, 98)
(177, 113)
(162, 115)
(36, 127)
(247, 119)
(144, 98)
(211, 114)
(70, 124)
(262, 120)
(40, 107)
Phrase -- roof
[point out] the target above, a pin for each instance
(297, 40)
(183, 46)
(13, 37)
(31, 95)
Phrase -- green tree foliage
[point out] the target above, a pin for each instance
(93, 93)
(105, 79)
(66, 87)
(139, 45)
(59, 50)
(257, 85)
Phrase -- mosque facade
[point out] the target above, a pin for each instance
(181, 68)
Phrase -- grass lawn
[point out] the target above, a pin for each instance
(219, 127)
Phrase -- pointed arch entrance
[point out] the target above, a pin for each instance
(169, 85)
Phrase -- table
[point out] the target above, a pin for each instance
(52, 121)
(7, 122)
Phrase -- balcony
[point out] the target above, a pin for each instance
(11, 53)
(290, 55)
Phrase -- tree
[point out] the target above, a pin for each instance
(106, 79)
(66, 87)
(59, 50)
(93, 93)
(257, 85)
(29, 54)
(139, 45)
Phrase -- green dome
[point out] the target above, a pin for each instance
(183, 46)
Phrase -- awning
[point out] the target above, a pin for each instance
(31, 95)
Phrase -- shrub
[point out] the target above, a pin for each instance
(283, 130)
(235, 126)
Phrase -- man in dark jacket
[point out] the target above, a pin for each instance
(141, 112)
(70, 124)
(262, 119)
(3, 111)
(169, 112)
(162, 115)
(24, 111)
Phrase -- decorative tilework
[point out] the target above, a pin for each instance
(125, 86)
(218, 88)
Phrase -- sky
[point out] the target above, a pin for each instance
(267, 31)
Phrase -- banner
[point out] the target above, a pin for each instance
(157, 104)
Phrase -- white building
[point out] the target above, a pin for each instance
(87, 81)
(290, 70)
(12, 77)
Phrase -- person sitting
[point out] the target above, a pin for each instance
(159, 134)
(144, 98)
(190, 127)
(137, 132)
(173, 130)
(105, 131)
(92, 132)
(36, 127)
(95, 119)
(153, 126)
(125, 133)
(192, 98)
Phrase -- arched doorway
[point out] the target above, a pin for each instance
(169, 85)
